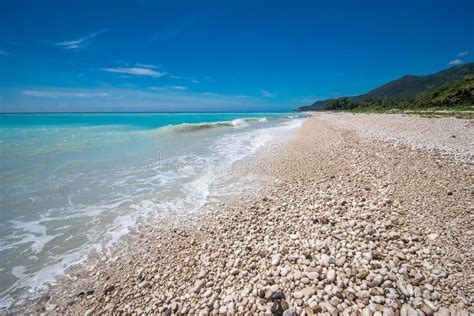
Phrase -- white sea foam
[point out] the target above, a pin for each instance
(191, 127)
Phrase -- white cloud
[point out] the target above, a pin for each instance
(72, 44)
(192, 79)
(2, 52)
(463, 53)
(80, 42)
(150, 66)
(455, 62)
(266, 93)
(60, 94)
(136, 71)
(169, 88)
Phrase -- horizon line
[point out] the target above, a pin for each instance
(164, 112)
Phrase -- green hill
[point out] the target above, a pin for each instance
(406, 88)
(457, 95)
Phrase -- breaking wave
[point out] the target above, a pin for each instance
(192, 127)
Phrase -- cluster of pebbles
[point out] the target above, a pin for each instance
(448, 135)
(346, 226)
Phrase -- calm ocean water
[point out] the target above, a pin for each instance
(72, 183)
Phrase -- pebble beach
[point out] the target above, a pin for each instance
(360, 214)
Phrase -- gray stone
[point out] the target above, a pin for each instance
(144, 284)
(308, 291)
(402, 287)
(387, 311)
(276, 260)
(407, 310)
(331, 275)
(290, 312)
(202, 274)
(377, 280)
(313, 275)
(198, 285)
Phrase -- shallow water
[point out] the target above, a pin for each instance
(72, 183)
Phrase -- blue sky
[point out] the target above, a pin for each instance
(218, 56)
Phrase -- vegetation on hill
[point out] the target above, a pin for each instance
(457, 94)
(408, 87)
(409, 92)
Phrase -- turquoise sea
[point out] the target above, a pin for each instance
(74, 183)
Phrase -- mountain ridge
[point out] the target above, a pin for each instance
(405, 87)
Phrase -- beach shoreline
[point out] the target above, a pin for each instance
(102, 179)
(345, 221)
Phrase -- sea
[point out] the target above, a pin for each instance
(74, 183)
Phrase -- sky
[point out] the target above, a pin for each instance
(73, 56)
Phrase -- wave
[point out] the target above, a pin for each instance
(192, 127)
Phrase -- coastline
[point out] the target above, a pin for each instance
(145, 174)
(344, 223)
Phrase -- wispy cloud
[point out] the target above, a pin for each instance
(192, 79)
(2, 52)
(146, 66)
(455, 62)
(62, 94)
(168, 88)
(266, 93)
(137, 71)
(458, 61)
(80, 42)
